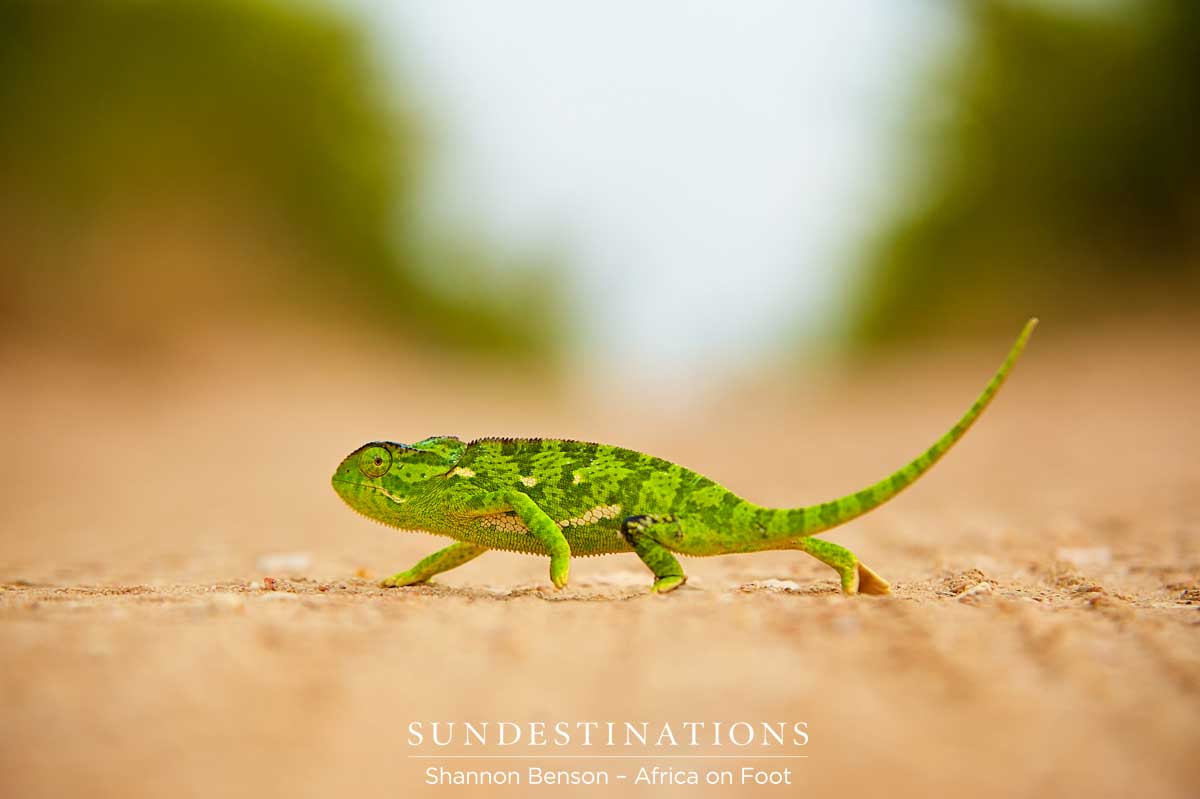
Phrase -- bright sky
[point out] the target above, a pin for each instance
(706, 168)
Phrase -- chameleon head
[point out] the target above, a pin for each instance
(379, 479)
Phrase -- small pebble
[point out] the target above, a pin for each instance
(976, 590)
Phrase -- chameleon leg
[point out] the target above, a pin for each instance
(668, 574)
(540, 526)
(440, 561)
(855, 576)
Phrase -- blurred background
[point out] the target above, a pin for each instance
(783, 243)
(666, 191)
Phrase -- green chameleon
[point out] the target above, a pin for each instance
(545, 496)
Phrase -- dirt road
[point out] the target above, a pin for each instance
(1043, 638)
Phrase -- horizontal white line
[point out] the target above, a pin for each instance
(607, 757)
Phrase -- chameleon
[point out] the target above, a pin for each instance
(562, 498)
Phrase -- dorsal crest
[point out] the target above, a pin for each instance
(447, 448)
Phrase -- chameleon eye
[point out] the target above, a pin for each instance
(374, 461)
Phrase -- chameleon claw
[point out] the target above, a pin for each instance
(558, 574)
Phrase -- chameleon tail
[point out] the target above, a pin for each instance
(817, 518)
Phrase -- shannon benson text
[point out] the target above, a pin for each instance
(534, 775)
(641, 734)
(647, 775)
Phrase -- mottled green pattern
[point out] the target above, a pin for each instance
(563, 498)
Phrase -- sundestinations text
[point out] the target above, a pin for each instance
(608, 733)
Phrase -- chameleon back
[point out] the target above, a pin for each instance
(588, 489)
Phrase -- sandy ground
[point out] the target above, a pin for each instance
(1043, 638)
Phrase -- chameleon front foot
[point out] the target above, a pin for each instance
(536, 522)
(855, 577)
(664, 585)
(559, 569)
(440, 561)
(402, 579)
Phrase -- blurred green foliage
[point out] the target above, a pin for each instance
(1057, 173)
(267, 118)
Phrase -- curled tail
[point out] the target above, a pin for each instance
(817, 518)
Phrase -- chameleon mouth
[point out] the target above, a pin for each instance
(381, 522)
(345, 487)
(345, 498)
(397, 500)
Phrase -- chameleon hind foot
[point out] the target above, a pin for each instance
(440, 561)
(855, 577)
(668, 574)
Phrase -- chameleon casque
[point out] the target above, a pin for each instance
(562, 498)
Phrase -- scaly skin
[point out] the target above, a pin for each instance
(563, 498)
